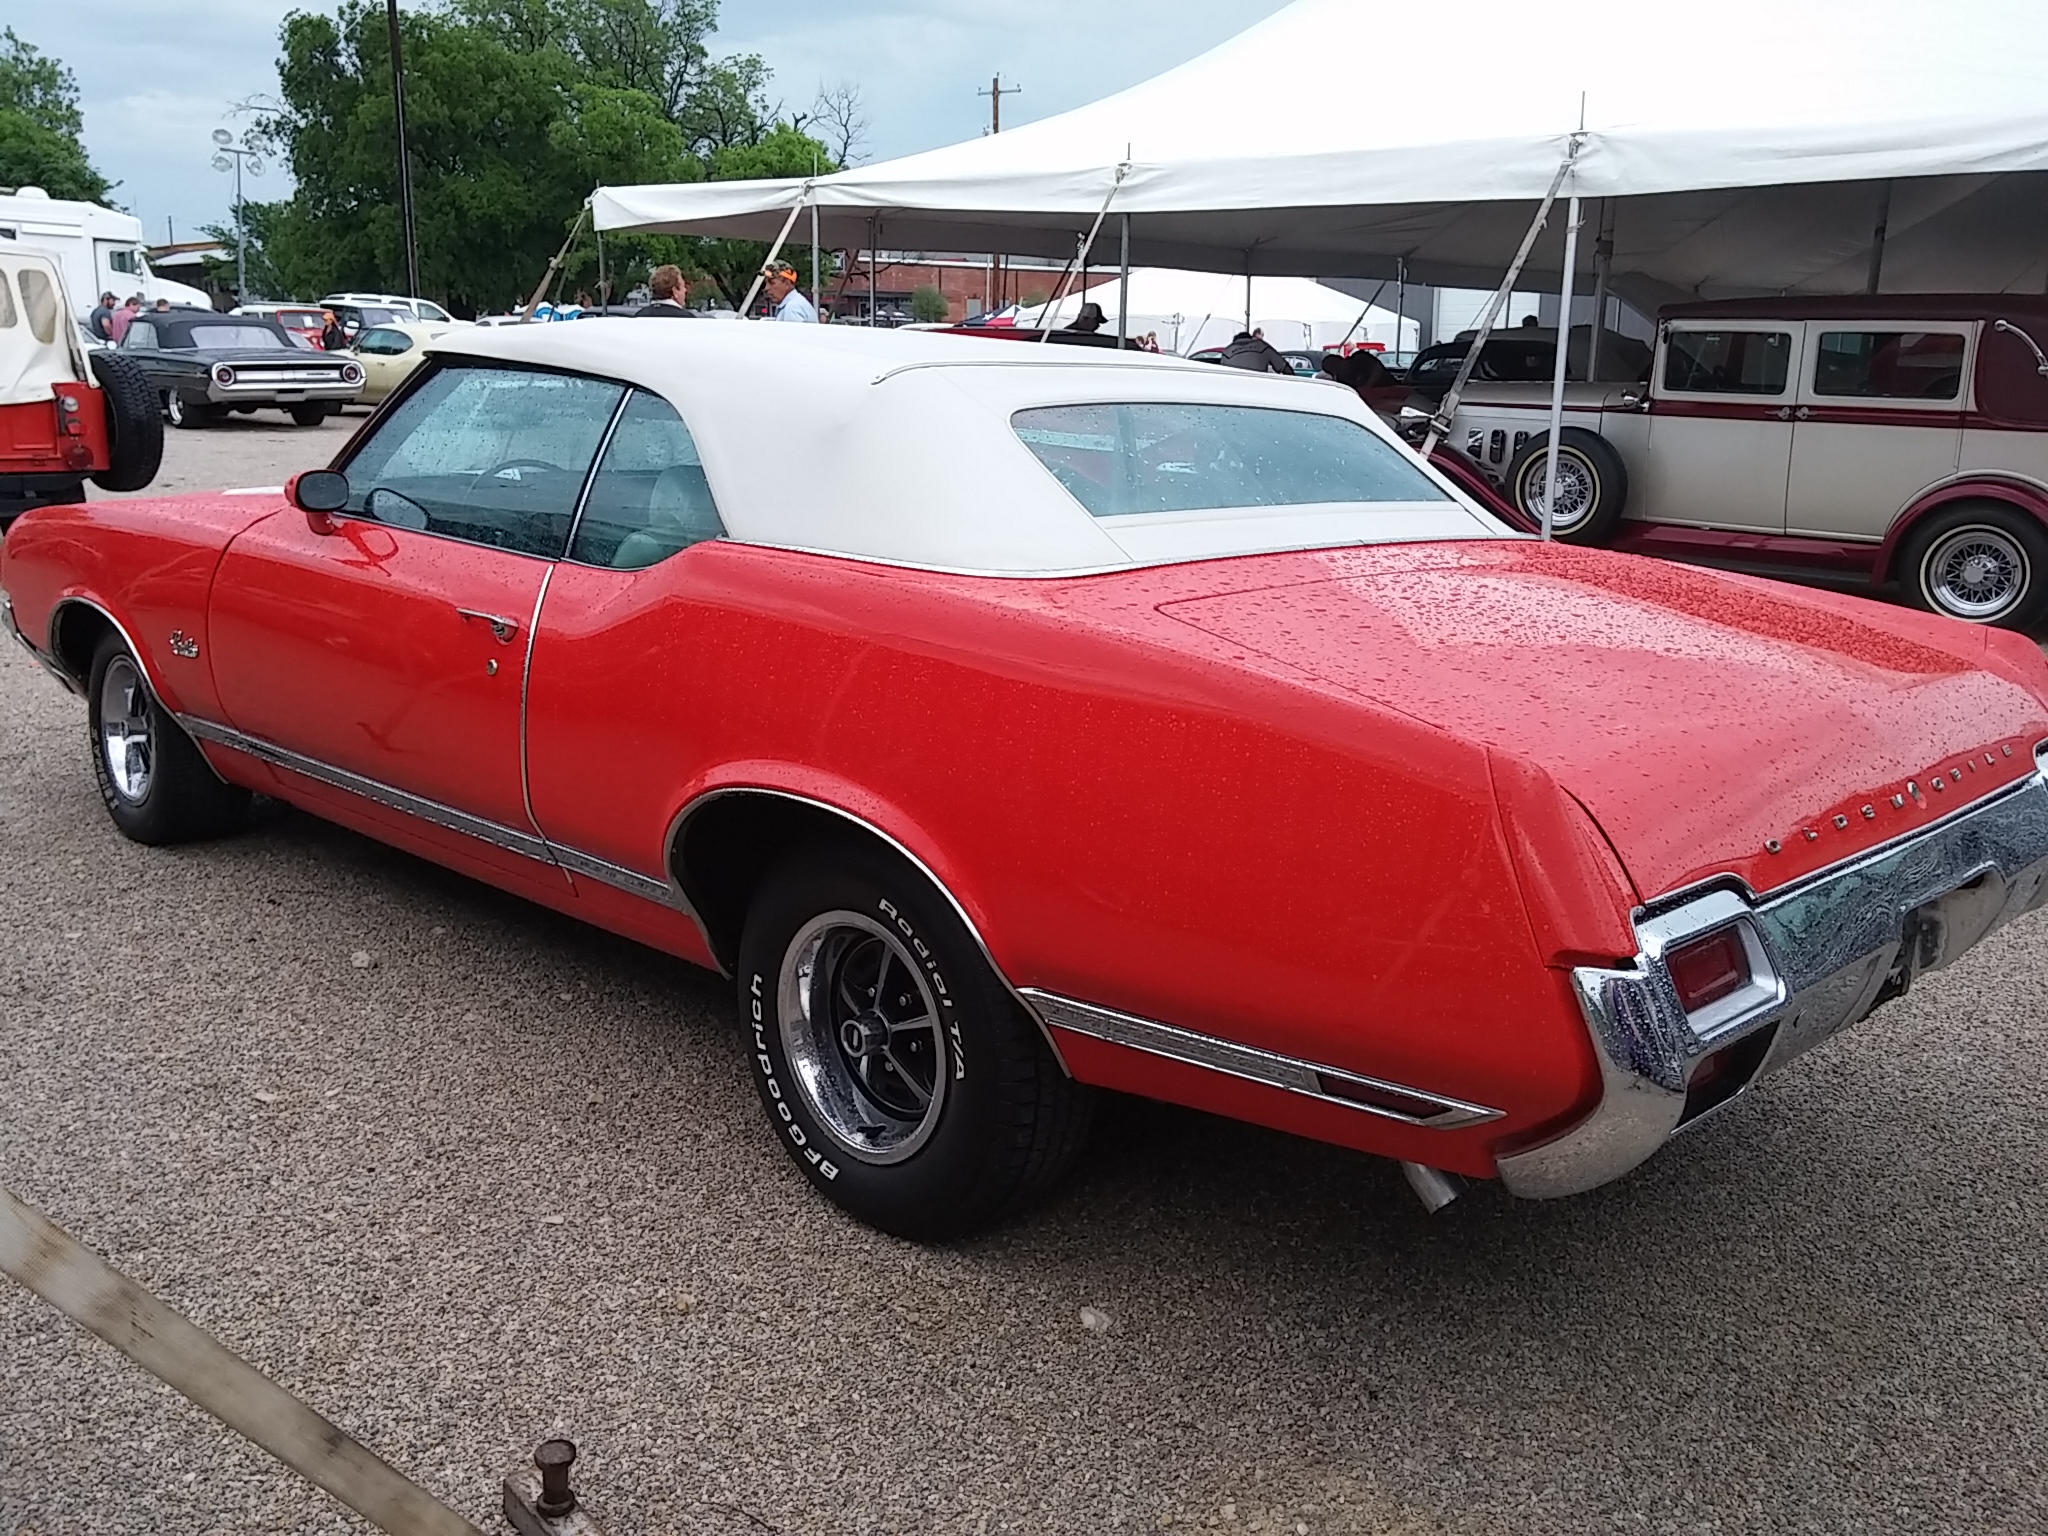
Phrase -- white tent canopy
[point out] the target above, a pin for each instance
(1759, 146)
(1192, 310)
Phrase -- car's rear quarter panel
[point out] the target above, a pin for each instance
(1133, 814)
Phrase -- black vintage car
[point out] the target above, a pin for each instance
(204, 365)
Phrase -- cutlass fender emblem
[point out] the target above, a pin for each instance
(183, 644)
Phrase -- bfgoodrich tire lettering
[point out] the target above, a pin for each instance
(156, 785)
(896, 1069)
(1980, 561)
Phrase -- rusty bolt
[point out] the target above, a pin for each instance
(554, 1458)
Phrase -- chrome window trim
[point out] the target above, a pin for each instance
(1833, 940)
(526, 682)
(1251, 1064)
(679, 824)
(604, 446)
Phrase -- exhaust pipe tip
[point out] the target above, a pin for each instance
(1433, 1187)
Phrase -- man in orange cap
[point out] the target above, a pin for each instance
(782, 293)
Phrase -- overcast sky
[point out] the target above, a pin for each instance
(157, 78)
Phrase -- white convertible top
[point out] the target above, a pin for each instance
(897, 446)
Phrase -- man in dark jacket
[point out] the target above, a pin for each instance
(669, 290)
(1253, 352)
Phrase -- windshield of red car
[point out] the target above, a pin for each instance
(1125, 460)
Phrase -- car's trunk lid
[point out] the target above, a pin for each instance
(1710, 724)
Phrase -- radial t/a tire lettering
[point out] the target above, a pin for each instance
(896, 1069)
(157, 786)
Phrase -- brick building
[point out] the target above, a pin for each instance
(972, 285)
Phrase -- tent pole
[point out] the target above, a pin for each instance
(604, 301)
(817, 310)
(1440, 423)
(1081, 254)
(1877, 238)
(873, 257)
(1564, 347)
(1603, 266)
(1400, 307)
(1247, 293)
(1123, 292)
(774, 251)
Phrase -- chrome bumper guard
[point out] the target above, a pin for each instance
(1822, 954)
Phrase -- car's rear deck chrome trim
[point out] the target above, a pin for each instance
(1332, 1085)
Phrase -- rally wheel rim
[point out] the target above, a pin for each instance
(860, 1026)
(1578, 490)
(127, 737)
(1976, 573)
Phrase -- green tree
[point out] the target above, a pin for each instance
(779, 151)
(40, 124)
(928, 305)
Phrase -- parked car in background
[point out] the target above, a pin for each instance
(67, 414)
(203, 365)
(1154, 727)
(303, 320)
(389, 354)
(380, 308)
(1853, 440)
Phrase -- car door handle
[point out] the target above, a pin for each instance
(1784, 413)
(502, 629)
(1804, 413)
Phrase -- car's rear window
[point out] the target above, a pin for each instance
(1134, 459)
(244, 334)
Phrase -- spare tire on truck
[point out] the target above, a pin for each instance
(135, 424)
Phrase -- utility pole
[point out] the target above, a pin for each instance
(412, 255)
(995, 93)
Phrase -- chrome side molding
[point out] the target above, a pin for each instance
(1368, 1095)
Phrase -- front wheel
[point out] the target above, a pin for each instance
(1983, 562)
(156, 785)
(1592, 485)
(896, 1069)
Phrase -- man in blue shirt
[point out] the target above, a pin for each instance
(782, 293)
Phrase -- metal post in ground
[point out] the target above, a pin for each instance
(412, 255)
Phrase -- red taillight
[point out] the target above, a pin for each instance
(1706, 970)
(223, 375)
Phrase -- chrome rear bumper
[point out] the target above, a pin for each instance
(1823, 953)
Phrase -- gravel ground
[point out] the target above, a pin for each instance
(464, 1174)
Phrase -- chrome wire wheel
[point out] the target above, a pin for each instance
(1578, 491)
(1976, 572)
(861, 1030)
(127, 739)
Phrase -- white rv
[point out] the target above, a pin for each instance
(99, 249)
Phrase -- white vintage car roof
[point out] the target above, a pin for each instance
(897, 446)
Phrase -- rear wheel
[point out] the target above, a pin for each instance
(312, 413)
(897, 1071)
(156, 785)
(190, 413)
(1592, 484)
(1983, 562)
(135, 427)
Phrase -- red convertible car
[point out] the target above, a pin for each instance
(1012, 724)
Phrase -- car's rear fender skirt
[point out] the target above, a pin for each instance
(2022, 495)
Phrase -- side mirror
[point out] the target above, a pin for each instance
(319, 493)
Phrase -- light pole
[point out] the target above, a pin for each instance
(412, 255)
(228, 156)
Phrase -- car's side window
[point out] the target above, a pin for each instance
(1889, 365)
(650, 499)
(380, 342)
(140, 333)
(489, 455)
(6, 303)
(1727, 362)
